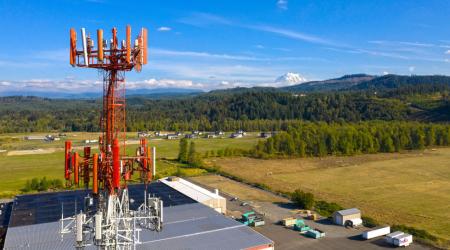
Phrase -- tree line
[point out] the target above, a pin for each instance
(322, 139)
(254, 109)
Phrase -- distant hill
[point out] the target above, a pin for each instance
(396, 81)
(343, 82)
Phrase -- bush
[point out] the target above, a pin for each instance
(303, 199)
(42, 185)
(180, 172)
(369, 222)
(326, 208)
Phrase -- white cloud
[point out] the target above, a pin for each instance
(207, 55)
(282, 4)
(166, 52)
(80, 86)
(259, 46)
(385, 73)
(393, 43)
(411, 68)
(164, 28)
(283, 49)
(218, 72)
(165, 83)
(291, 34)
(204, 19)
(447, 52)
(201, 19)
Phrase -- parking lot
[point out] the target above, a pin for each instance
(337, 237)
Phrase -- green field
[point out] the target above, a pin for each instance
(48, 160)
(408, 188)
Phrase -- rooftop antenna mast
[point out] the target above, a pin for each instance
(113, 226)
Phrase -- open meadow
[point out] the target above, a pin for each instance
(22, 160)
(411, 188)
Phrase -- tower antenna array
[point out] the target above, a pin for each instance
(107, 220)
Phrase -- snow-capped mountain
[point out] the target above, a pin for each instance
(290, 79)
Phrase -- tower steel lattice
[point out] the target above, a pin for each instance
(107, 216)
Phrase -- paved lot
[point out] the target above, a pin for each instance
(337, 237)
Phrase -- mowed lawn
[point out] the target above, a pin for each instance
(17, 169)
(407, 188)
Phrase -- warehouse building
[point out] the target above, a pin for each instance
(34, 223)
(197, 193)
(347, 217)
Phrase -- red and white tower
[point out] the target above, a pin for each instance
(109, 170)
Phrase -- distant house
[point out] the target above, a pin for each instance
(267, 134)
(219, 132)
(211, 135)
(34, 137)
(240, 131)
(90, 141)
(196, 132)
(190, 136)
(178, 133)
(142, 134)
(172, 136)
(236, 135)
(49, 138)
(347, 217)
(161, 134)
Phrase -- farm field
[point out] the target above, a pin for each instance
(22, 160)
(410, 188)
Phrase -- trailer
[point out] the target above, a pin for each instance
(301, 226)
(403, 240)
(252, 219)
(315, 233)
(288, 222)
(376, 232)
(259, 221)
(390, 237)
(399, 239)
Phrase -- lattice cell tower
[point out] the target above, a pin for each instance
(107, 220)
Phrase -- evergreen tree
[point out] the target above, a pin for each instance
(183, 151)
(192, 157)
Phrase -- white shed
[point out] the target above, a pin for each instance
(352, 216)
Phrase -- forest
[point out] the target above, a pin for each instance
(251, 109)
(322, 139)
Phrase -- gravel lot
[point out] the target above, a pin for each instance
(337, 237)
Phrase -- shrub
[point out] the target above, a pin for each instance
(369, 222)
(303, 199)
(326, 208)
(42, 185)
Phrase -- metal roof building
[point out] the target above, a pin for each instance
(197, 193)
(35, 223)
(342, 216)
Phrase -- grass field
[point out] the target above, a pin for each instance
(407, 188)
(17, 169)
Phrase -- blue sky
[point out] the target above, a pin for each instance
(217, 44)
